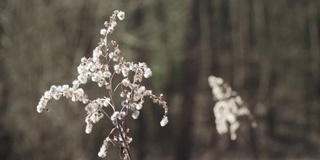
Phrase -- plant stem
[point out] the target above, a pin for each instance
(126, 146)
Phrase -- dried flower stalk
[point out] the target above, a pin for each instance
(229, 106)
(106, 63)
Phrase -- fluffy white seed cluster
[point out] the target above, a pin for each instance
(56, 92)
(106, 63)
(228, 108)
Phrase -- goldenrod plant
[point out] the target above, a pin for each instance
(228, 107)
(105, 64)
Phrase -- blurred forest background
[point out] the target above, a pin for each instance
(267, 50)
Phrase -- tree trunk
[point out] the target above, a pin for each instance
(242, 37)
(139, 20)
(312, 82)
(191, 70)
(5, 137)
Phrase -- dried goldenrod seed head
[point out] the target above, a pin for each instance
(164, 121)
(105, 64)
(135, 114)
(121, 15)
(229, 106)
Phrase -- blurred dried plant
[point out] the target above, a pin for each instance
(105, 63)
(228, 108)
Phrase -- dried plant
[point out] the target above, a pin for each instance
(228, 108)
(105, 63)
